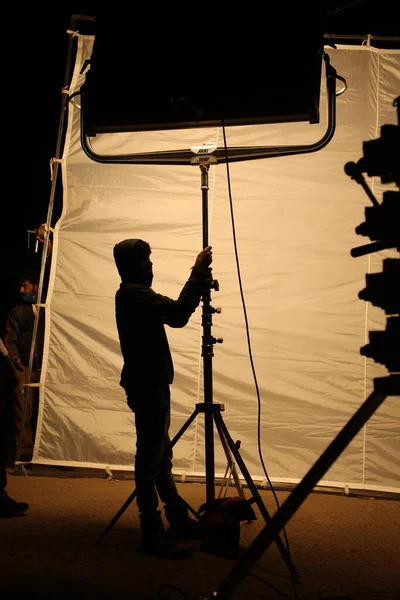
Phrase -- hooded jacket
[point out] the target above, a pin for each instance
(19, 331)
(141, 316)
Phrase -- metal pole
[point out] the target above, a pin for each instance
(55, 165)
(207, 352)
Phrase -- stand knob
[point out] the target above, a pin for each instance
(217, 310)
(218, 340)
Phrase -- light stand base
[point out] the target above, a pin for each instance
(231, 448)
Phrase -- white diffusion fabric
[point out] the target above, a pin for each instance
(295, 220)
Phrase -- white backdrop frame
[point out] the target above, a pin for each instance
(80, 425)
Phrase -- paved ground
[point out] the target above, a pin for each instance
(341, 546)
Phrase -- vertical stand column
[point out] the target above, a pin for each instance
(207, 352)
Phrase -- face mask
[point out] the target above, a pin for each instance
(29, 298)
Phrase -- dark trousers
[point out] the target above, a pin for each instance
(3, 447)
(153, 460)
(6, 418)
(30, 396)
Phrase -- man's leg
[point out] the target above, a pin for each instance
(166, 486)
(150, 435)
(182, 526)
(3, 446)
(152, 421)
(22, 395)
(8, 506)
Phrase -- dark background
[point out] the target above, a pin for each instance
(35, 59)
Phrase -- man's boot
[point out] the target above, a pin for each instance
(181, 526)
(156, 542)
(10, 507)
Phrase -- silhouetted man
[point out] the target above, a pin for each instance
(8, 506)
(146, 376)
(18, 341)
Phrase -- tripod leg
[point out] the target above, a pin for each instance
(184, 427)
(232, 467)
(223, 432)
(116, 518)
(225, 481)
(190, 509)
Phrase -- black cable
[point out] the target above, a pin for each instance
(338, 9)
(171, 587)
(289, 598)
(251, 353)
(271, 586)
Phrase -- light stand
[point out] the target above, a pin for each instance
(207, 353)
(212, 411)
